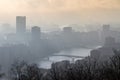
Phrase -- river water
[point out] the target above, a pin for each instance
(74, 52)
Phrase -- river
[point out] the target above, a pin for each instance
(74, 52)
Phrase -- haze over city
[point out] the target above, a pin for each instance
(59, 40)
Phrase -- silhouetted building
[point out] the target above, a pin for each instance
(109, 41)
(67, 29)
(106, 32)
(36, 32)
(20, 24)
(106, 28)
(106, 51)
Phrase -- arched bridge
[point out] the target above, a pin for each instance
(73, 57)
(70, 56)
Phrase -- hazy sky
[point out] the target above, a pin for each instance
(61, 11)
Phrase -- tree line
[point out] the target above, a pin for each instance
(86, 69)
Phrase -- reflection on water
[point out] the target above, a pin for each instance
(75, 52)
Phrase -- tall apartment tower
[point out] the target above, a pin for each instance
(106, 32)
(20, 24)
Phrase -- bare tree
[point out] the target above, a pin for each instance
(33, 72)
(111, 68)
(21, 70)
(17, 70)
(1, 73)
(59, 70)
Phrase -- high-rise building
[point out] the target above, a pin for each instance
(106, 32)
(20, 24)
(36, 33)
(106, 28)
(67, 29)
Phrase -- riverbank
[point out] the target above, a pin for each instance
(45, 63)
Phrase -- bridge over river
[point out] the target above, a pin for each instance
(71, 55)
